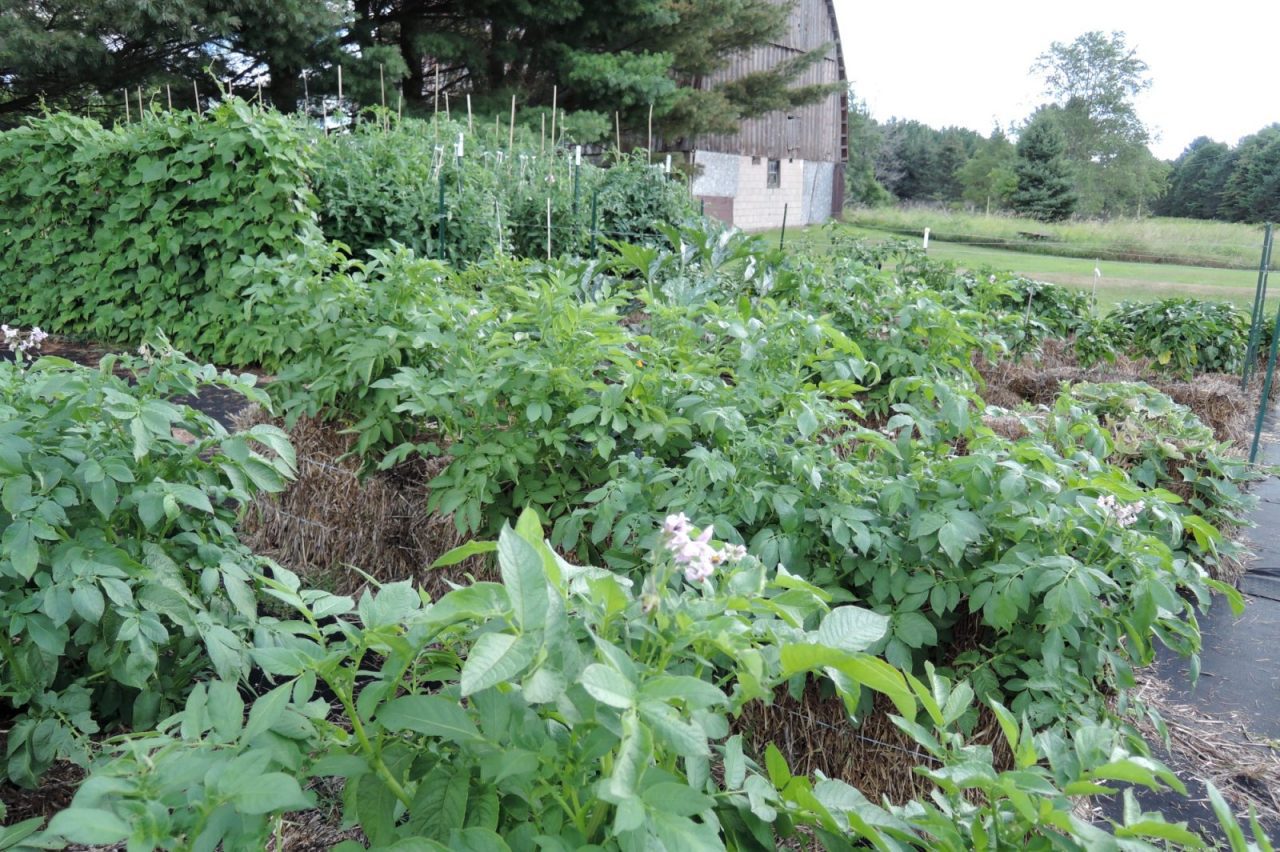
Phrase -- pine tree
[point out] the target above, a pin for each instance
(1044, 179)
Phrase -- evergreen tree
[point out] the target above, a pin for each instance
(1044, 179)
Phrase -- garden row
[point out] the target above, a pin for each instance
(198, 225)
(784, 468)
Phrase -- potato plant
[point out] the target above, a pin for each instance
(121, 579)
(568, 707)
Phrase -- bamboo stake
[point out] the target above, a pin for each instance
(306, 94)
(542, 146)
(447, 115)
(400, 106)
(555, 95)
(651, 129)
(470, 126)
(128, 116)
(141, 112)
(195, 86)
(382, 83)
(339, 86)
(436, 111)
(261, 102)
(617, 129)
(168, 93)
(548, 227)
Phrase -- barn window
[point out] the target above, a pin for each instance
(774, 179)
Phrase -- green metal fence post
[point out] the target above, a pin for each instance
(577, 167)
(1259, 308)
(595, 197)
(1266, 388)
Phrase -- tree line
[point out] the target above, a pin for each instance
(602, 63)
(1083, 152)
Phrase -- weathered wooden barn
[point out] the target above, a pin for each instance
(792, 161)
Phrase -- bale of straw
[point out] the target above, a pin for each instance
(330, 519)
(815, 734)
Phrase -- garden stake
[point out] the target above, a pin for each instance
(168, 94)
(128, 116)
(1266, 388)
(306, 95)
(511, 133)
(595, 196)
(440, 214)
(471, 128)
(548, 227)
(196, 88)
(555, 95)
(577, 167)
(141, 113)
(782, 237)
(650, 149)
(617, 130)
(1259, 308)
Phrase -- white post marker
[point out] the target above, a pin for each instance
(577, 155)
(666, 167)
(459, 148)
(926, 239)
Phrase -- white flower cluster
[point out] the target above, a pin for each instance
(697, 555)
(17, 342)
(1125, 516)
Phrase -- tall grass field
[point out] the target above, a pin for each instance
(1191, 242)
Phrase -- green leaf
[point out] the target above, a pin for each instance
(431, 715)
(19, 542)
(871, 672)
(915, 630)
(735, 763)
(440, 802)
(497, 658)
(464, 552)
(851, 628)
(960, 530)
(526, 582)
(90, 826)
(476, 840)
(608, 686)
(272, 792)
(226, 710)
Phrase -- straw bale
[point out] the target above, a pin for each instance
(330, 519)
(815, 734)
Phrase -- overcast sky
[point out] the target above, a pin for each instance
(1213, 66)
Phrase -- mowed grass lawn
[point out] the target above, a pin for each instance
(1120, 280)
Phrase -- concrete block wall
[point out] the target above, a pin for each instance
(804, 189)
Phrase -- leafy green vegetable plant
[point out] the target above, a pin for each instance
(121, 578)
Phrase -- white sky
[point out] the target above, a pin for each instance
(1212, 65)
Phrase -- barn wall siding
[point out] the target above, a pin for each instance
(813, 132)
